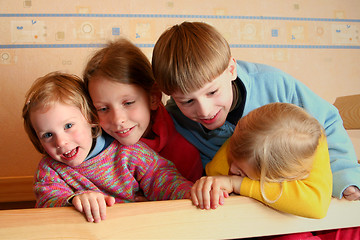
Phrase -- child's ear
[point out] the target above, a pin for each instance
(232, 68)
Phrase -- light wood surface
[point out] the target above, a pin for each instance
(349, 109)
(239, 217)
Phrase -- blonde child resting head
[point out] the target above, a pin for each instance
(82, 167)
(274, 143)
(121, 84)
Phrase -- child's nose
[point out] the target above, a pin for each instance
(119, 116)
(60, 141)
(204, 108)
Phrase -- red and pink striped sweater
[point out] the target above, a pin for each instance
(119, 171)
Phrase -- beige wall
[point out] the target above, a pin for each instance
(328, 71)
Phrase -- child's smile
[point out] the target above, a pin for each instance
(70, 154)
(125, 132)
(211, 120)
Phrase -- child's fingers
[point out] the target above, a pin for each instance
(223, 195)
(101, 209)
(351, 193)
(77, 204)
(109, 201)
(82, 204)
(207, 188)
(95, 209)
(140, 199)
(221, 199)
(216, 194)
(209, 193)
(349, 190)
(87, 210)
(93, 205)
(194, 198)
(198, 191)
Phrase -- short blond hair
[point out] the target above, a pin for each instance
(189, 55)
(53, 88)
(279, 139)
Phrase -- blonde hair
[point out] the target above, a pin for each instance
(189, 55)
(53, 88)
(123, 62)
(279, 139)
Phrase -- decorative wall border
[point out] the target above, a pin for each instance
(185, 16)
(99, 45)
(103, 15)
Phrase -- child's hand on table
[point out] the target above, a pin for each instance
(93, 205)
(210, 192)
(352, 193)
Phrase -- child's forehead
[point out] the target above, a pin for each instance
(55, 113)
(205, 88)
(52, 105)
(190, 94)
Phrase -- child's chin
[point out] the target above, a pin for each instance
(128, 142)
(212, 126)
(74, 164)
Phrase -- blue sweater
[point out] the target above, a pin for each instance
(262, 84)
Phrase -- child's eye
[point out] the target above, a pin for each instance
(46, 135)
(212, 92)
(129, 103)
(68, 125)
(187, 102)
(102, 109)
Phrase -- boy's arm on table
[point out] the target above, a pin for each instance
(343, 160)
(309, 197)
(344, 165)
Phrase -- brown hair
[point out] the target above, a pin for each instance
(57, 87)
(279, 139)
(121, 61)
(189, 55)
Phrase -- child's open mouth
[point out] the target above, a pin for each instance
(71, 153)
(125, 133)
(210, 120)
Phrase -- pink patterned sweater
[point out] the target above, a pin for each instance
(119, 171)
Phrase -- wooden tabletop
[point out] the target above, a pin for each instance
(239, 217)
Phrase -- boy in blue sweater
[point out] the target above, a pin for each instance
(210, 91)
